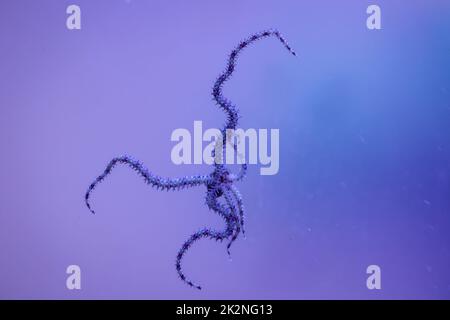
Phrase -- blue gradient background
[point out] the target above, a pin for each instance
(364, 119)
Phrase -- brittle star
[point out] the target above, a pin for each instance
(220, 183)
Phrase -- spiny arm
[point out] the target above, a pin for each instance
(149, 178)
(234, 219)
(204, 233)
(240, 206)
(226, 105)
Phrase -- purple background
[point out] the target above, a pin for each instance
(364, 119)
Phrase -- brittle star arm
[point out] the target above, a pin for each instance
(240, 206)
(149, 178)
(226, 105)
(234, 218)
(205, 233)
